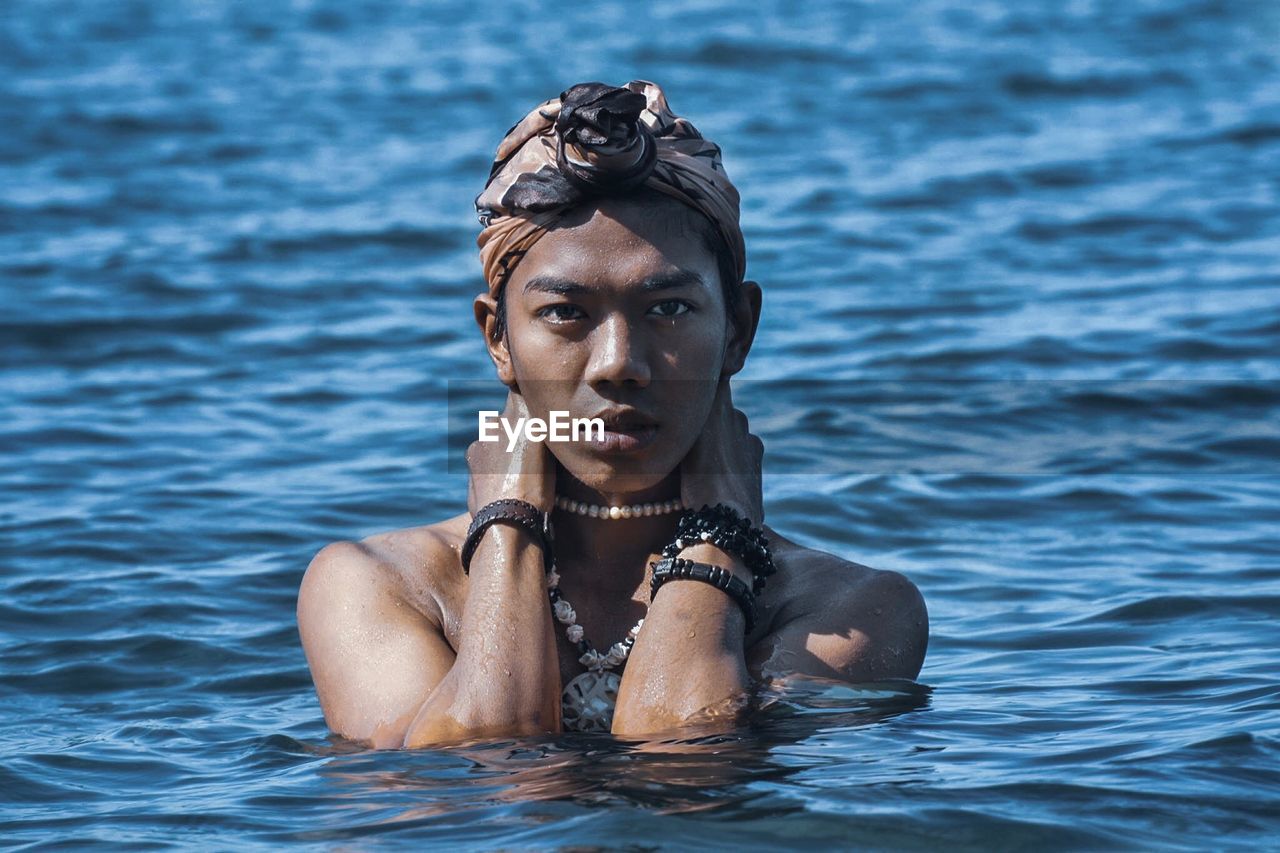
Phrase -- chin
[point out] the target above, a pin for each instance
(618, 478)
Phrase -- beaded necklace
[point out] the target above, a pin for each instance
(588, 700)
(616, 512)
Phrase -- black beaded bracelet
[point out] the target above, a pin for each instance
(512, 511)
(677, 568)
(724, 528)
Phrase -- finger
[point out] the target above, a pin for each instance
(718, 415)
(517, 407)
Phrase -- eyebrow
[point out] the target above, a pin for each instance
(661, 281)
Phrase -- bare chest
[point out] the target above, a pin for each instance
(603, 620)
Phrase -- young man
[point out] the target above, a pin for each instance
(615, 267)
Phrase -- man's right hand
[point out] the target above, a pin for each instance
(526, 473)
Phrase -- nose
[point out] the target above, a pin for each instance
(618, 354)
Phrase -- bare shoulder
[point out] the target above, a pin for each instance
(416, 565)
(842, 619)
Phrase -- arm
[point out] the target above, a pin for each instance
(385, 674)
(506, 679)
(373, 657)
(688, 661)
(690, 668)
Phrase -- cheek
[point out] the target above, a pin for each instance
(686, 404)
(544, 396)
(538, 354)
(705, 338)
(695, 350)
(689, 377)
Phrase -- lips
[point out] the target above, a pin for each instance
(625, 431)
(624, 440)
(625, 420)
(628, 426)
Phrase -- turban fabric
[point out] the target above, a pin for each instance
(597, 140)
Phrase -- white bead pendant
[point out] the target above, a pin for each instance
(588, 700)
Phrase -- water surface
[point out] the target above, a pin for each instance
(1020, 267)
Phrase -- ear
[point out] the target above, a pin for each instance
(746, 310)
(486, 311)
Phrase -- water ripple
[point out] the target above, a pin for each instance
(1019, 268)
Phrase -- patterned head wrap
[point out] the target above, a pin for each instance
(595, 140)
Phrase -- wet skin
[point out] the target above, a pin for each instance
(619, 306)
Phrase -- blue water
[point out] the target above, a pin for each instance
(1022, 272)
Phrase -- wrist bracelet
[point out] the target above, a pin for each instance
(520, 513)
(677, 568)
(724, 528)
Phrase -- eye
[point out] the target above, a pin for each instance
(672, 308)
(561, 312)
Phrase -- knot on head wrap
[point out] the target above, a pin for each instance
(596, 140)
(601, 144)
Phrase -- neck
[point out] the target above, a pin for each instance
(616, 550)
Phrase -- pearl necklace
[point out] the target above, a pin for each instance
(615, 512)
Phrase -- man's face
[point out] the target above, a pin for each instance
(620, 307)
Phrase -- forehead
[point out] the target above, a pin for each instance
(618, 241)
